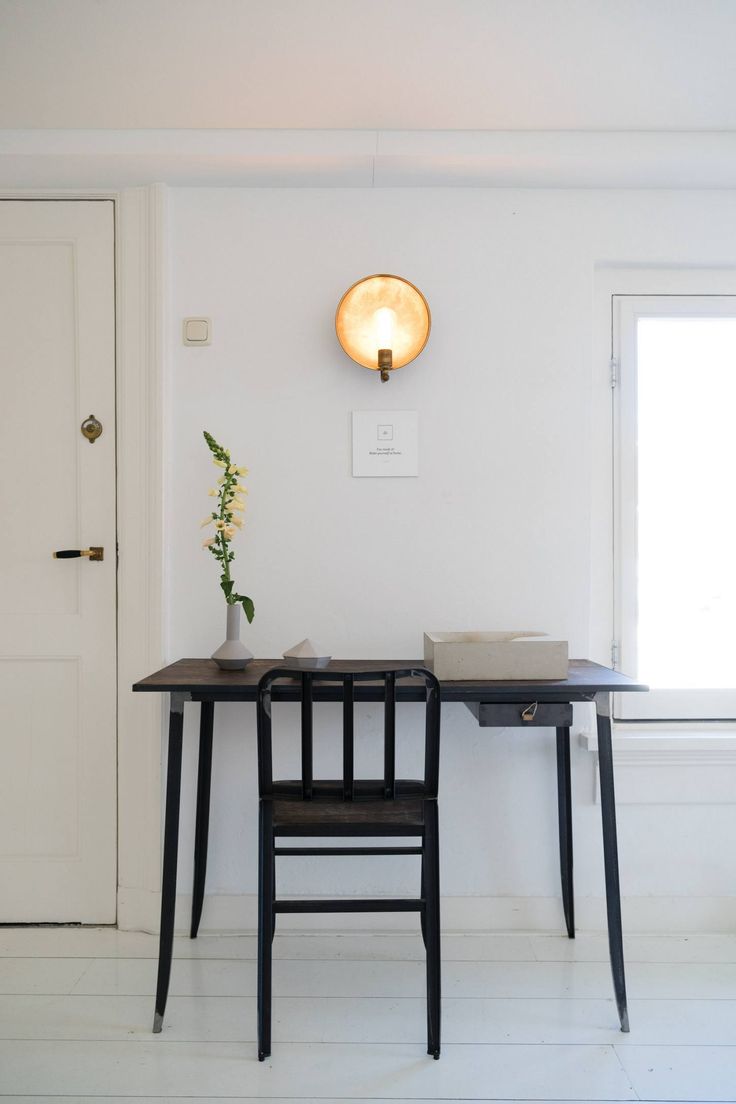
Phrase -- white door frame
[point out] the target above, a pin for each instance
(141, 314)
(140, 299)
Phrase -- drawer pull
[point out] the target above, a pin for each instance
(530, 712)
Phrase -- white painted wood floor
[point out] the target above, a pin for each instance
(525, 1017)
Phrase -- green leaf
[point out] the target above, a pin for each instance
(249, 608)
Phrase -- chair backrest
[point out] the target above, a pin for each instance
(348, 679)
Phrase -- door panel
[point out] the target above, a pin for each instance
(39, 735)
(57, 617)
(40, 388)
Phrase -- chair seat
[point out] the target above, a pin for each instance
(328, 815)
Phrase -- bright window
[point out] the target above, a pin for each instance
(675, 534)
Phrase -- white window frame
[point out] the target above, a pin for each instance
(658, 705)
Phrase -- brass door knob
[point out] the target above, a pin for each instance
(91, 428)
(95, 553)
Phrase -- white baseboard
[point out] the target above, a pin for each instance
(138, 910)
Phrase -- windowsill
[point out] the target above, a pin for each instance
(706, 740)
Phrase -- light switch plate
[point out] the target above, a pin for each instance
(197, 331)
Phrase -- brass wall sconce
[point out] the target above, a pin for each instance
(383, 323)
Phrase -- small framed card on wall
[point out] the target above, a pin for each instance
(385, 443)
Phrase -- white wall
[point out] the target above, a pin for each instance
(495, 533)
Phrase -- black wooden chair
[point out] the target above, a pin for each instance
(349, 807)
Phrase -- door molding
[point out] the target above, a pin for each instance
(141, 302)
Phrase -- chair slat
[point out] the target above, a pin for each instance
(352, 904)
(295, 851)
(389, 738)
(348, 745)
(307, 729)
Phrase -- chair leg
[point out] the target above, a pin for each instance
(273, 894)
(431, 912)
(265, 927)
(423, 894)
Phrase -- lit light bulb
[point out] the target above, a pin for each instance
(384, 321)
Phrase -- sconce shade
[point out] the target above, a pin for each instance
(384, 313)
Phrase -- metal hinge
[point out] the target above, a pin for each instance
(614, 653)
(613, 365)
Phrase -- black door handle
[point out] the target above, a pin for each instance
(94, 553)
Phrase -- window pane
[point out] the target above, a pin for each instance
(687, 502)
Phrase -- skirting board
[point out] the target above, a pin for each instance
(138, 910)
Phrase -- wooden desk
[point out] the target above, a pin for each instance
(494, 704)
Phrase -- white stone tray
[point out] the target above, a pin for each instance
(456, 656)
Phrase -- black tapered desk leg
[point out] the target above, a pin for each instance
(431, 911)
(202, 825)
(610, 856)
(265, 926)
(564, 813)
(171, 849)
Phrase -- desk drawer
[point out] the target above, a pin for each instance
(528, 714)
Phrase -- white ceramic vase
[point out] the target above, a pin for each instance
(232, 655)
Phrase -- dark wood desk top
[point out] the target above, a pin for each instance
(202, 678)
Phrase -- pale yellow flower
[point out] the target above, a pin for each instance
(241, 471)
(206, 521)
(239, 488)
(233, 469)
(210, 541)
(219, 463)
(237, 521)
(229, 532)
(213, 492)
(220, 524)
(236, 504)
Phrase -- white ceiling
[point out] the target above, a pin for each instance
(369, 64)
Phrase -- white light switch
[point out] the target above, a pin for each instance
(197, 331)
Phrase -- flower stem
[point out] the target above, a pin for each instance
(226, 523)
(224, 494)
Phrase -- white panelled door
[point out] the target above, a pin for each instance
(57, 616)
